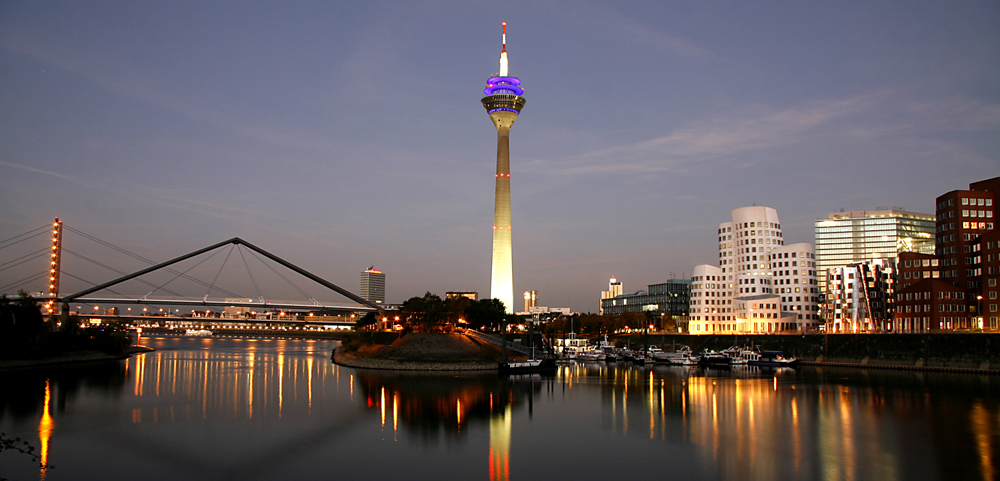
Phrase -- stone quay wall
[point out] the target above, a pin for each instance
(951, 352)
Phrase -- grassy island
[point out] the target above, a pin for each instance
(420, 351)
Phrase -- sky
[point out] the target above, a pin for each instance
(343, 135)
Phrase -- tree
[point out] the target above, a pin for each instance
(632, 320)
(485, 314)
(425, 312)
(455, 308)
(365, 321)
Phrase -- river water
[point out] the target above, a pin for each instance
(249, 409)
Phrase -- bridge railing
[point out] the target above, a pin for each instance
(498, 341)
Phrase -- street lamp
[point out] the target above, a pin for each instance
(979, 311)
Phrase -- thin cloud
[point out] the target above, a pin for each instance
(132, 84)
(877, 115)
(35, 170)
(609, 24)
(724, 136)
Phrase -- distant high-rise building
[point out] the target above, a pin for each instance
(753, 262)
(503, 102)
(530, 300)
(614, 290)
(471, 295)
(846, 238)
(373, 285)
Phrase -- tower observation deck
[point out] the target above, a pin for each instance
(503, 102)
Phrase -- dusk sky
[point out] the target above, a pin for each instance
(341, 135)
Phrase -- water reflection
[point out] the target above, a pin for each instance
(754, 423)
(235, 379)
(259, 409)
(433, 404)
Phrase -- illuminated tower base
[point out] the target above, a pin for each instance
(503, 102)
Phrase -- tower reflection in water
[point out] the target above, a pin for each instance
(428, 405)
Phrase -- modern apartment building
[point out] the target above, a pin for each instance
(860, 297)
(753, 261)
(955, 294)
(988, 298)
(794, 279)
(963, 216)
(914, 267)
(711, 301)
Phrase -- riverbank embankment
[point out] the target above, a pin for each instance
(75, 357)
(952, 352)
(420, 352)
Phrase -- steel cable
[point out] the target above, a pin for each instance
(304, 293)
(137, 256)
(22, 240)
(36, 255)
(252, 280)
(112, 269)
(25, 280)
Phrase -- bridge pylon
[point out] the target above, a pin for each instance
(55, 264)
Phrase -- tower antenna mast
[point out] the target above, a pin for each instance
(503, 52)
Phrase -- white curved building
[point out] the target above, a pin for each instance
(793, 269)
(711, 300)
(754, 261)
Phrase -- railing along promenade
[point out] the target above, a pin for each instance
(498, 341)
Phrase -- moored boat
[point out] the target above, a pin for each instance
(591, 355)
(774, 359)
(529, 365)
(715, 359)
(736, 355)
(682, 357)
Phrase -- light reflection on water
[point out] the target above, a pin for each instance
(262, 408)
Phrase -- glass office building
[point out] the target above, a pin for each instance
(846, 238)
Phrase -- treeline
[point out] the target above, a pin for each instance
(596, 325)
(24, 334)
(431, 313)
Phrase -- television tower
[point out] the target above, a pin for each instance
(503, 101)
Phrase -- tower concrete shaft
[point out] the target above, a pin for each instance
(502, 281)
(503, 102)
